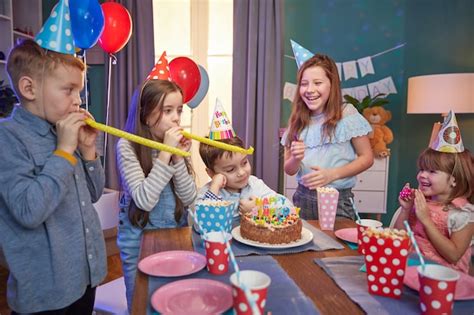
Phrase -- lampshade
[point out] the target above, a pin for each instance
(439, 93)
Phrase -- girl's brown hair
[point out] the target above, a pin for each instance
(149, 96)
(301, 115)
(459, 165)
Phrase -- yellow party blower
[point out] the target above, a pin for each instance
(217, 144)
(134, 138)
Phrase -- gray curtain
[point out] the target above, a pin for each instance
(134, 62)
(257, 86)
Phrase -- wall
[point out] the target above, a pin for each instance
(439, 39)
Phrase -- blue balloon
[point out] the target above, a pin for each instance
(87, 22)
(202, 90)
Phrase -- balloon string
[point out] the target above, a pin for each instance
(86, 87)
(109, 78)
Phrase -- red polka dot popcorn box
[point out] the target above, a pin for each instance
(386, 252)
(213, 215)
(362, 225)
(327, 207)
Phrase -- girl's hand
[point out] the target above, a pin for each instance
(246, 205)
(173, 136)
(185, 145)
(422, 210)
(297, 150)
(319, 177)
(406, 199)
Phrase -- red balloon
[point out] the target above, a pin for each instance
(117, 27)
(185, 73)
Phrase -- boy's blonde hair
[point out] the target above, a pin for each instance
(27, 58)
(210, 154)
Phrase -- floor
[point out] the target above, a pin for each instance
(114, 272)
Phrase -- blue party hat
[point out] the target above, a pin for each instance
(56, 33)
(301, 54)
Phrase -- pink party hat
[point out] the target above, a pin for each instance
(161, 70)
(301, 54)
(56, 33)
(221, 128)
(449, 138)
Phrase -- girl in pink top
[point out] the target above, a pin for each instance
(441, 211)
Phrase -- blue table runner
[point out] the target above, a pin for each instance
(284, 296)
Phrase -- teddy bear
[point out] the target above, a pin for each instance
(381, 135)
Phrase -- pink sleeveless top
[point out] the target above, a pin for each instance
(440, 219)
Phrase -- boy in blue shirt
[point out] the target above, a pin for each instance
(50, 175)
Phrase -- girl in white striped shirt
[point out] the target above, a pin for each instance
(158, 186)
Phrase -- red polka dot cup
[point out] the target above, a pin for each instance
(437, 287)
(385, 259)
(217, 254)
(255, 281)
(327, 207)
(362, 225)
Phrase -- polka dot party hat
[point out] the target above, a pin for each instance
(301, 54)
(449, 136)
(56, 33)
(221, 128)
(161, 71)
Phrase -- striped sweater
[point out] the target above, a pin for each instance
(145, 191)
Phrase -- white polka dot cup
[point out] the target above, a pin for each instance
(257, 282)
(217, 255)
(327, 207)
(361, 227)
(437, 287)
(214, 215)
(385, 260)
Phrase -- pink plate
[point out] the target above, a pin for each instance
(173, 263)
(192, 296)
(464, 287)
(348, 234)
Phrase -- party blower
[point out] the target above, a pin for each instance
(163, 147)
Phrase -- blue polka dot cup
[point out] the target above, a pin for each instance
(214, 215)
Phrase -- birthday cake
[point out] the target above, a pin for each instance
(271, 222)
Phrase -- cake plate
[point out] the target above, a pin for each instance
(306, 237)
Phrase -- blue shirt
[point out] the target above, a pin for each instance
(335, 152)
(50, 232)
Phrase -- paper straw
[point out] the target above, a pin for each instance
(134, 138)
(248, 294)
(415, 244)
(355, 211)
(217, 144)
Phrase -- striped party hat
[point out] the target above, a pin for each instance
(221, 128)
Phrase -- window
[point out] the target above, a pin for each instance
(201, 30)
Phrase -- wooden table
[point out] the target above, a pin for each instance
(311, 279)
